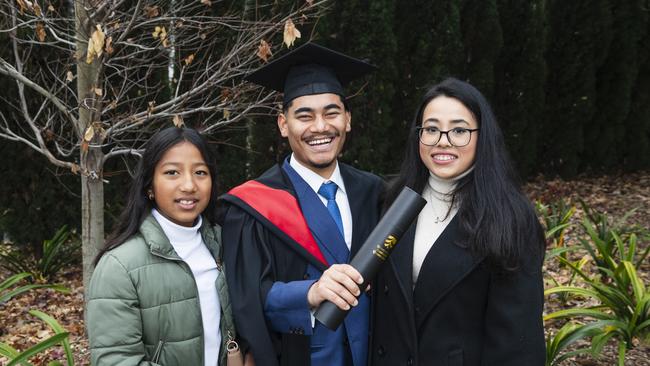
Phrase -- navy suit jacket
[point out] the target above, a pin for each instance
(269, 273)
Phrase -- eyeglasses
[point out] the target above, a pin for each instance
(457, 137)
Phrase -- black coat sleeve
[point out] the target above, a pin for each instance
(249, 273)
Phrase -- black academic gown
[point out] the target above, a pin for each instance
(459, 313)
(257, 253)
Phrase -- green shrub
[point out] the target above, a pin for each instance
(556, 217)
(623, 312)
(60, 337)
(6, 294)
(565, 336)
(63, 249)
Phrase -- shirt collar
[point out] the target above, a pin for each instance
(314, 180)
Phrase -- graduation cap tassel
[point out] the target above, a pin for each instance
(376, 249)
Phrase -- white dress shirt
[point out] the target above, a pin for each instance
(315, 181)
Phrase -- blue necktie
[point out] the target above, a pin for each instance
(328, 190)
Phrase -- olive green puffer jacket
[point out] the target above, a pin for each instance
(143, 306)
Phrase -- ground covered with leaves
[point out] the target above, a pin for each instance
(615, 195)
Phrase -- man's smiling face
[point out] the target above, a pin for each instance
(315, 126)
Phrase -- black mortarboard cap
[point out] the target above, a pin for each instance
(309, 69)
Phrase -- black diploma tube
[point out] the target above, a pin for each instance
(376, 249)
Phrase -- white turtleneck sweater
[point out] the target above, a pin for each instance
(189, 245)
(434, 217)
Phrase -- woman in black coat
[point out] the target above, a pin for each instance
(463, 287)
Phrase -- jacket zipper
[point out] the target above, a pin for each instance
(156, 355)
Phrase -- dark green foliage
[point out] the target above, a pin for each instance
(541, 64)
(57, 253)
(576, 47)
(483, 41)
(637, 125)
(370, 104)
(35, 198)
(521, 79)
(604, 136)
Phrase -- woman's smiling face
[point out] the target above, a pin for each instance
(443, 159)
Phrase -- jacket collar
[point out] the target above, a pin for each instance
(160, 246)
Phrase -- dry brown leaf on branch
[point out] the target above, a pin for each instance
(264, 51)
(188, 60)
(95, 44)
(74, 168)
(226, 113)
(225, 94)
(50, 8)
(22, 6)
(109, 46)
(49, 134)
(151, 107)
(156, 32)
(98, 91)
(206, 2)
(40, 31)
(178, 121)
(290, 33)
(69, 76)
(310, 2)
(161, 33)
(151, 11)
(90, 132)
(37, 10)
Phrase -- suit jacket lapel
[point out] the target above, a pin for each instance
(354, 192)
(318, 219)
(445, 265)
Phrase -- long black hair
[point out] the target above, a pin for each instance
(497, 221)
(138, 205)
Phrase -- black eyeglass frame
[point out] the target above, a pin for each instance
(419, 129)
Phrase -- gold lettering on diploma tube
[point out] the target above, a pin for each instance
(383, 250)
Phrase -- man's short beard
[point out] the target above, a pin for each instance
(323, 165)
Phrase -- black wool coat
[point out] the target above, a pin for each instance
(459, 313)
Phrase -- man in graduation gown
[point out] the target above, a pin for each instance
(289, 233)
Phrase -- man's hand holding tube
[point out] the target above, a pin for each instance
(339, 284)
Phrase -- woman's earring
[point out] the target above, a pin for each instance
(150, 195)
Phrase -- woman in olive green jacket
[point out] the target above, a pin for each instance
(158, 295)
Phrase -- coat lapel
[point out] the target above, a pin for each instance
(400, 264)
(318, 219)
(445, 265)
(401, 261)
(354, 191)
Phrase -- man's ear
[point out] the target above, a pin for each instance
(348, 125)
(282, 125)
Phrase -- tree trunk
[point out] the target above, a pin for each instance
(92, 223)
(91, 155)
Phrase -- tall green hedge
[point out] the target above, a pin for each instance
(579, 35)
(521, 80)
(605, 135)
(567, 79)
